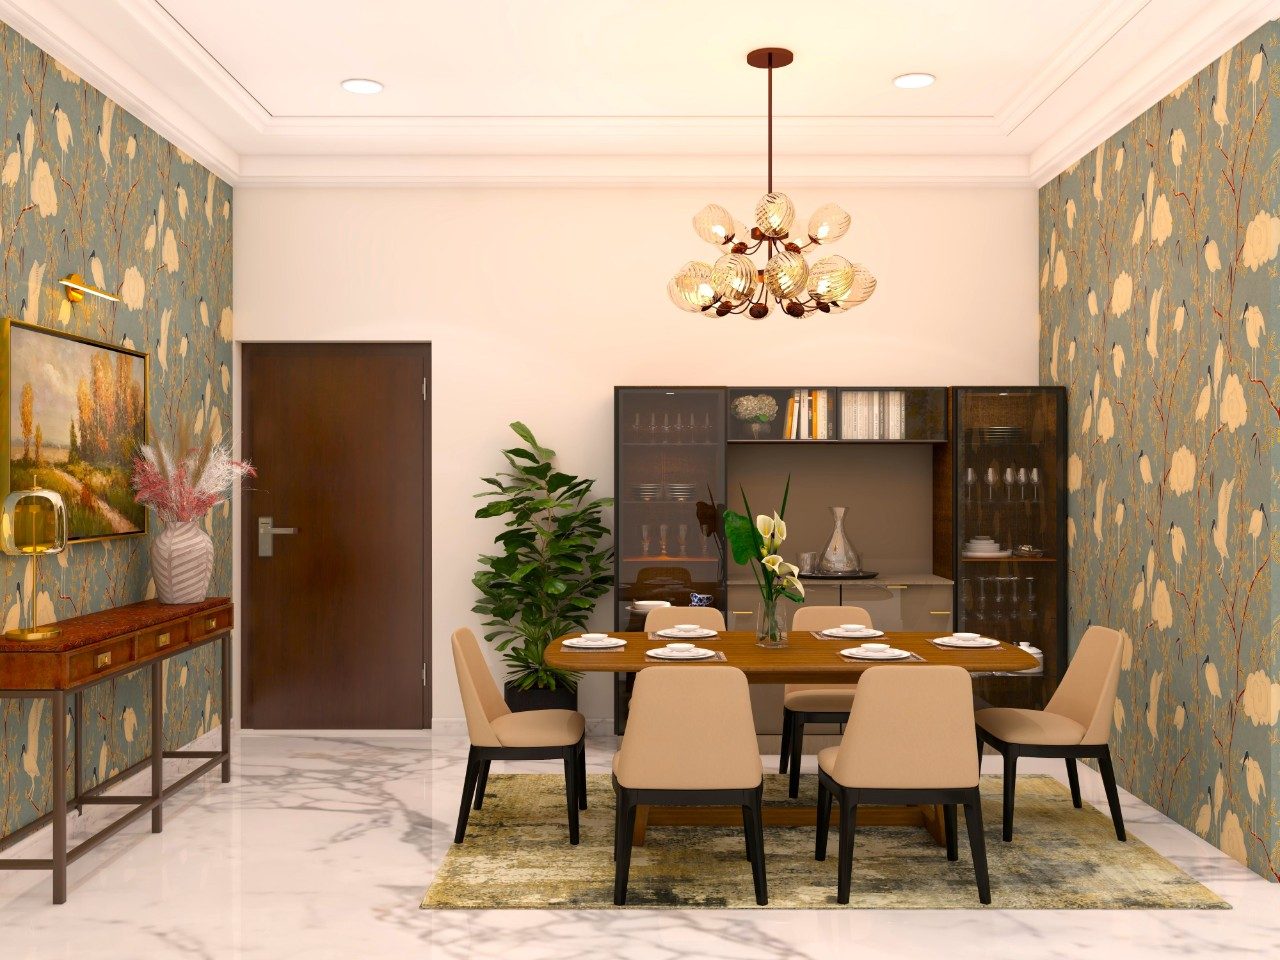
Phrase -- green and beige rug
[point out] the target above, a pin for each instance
(517, 855)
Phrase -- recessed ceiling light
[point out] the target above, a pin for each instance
(358, 85)
(914, 81)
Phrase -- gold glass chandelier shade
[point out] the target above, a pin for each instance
(831, 279)
(714, 224)
(828, 223)
(691, 288)
(860, 291)
(785, 274)
(733, 278)
(774, 214)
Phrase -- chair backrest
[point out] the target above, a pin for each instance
(690, 728)
(1087, 692)
(824, 618)
(482, 701)
(660, 618)
(910, 727)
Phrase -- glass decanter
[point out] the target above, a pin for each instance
(839, 557)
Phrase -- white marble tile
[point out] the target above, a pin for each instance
(323, 846)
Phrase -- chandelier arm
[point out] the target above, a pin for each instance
(770, 190)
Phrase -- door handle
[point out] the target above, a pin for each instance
(267, 534)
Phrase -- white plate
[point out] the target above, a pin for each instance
(854, 653)
(609, 644)
(697, 653)
(701, 634)
(986, 554)
(966, 644)
(837, 633)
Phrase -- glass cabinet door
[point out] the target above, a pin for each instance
(670, 498)
(1010, 528)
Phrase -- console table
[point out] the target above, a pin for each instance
(94, 648)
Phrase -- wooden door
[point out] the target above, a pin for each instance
(336, 618)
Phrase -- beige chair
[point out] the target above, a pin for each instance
(907, 743)
(661, 618)
(690, 741)
(499, 734)
(1075, 723)
(814, 702)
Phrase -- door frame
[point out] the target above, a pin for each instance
(248, 532)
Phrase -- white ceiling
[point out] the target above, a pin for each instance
(590, 91)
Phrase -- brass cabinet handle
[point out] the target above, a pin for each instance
(102, 660)
(895, 586)
(211, 623)
(940, 613)
(162, 640)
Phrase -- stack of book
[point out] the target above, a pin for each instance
(873, 415)
(810, 415)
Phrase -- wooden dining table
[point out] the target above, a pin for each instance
(807, 658)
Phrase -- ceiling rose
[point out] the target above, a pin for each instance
(734, 284)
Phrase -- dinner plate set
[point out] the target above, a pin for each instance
(595, 641)
(983, 548)
(852, 631)
(966, 641)
(875, 651)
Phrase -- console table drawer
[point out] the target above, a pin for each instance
(162, 639)
(203, 624)
(106, 658)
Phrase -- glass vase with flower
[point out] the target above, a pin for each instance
(755, 545)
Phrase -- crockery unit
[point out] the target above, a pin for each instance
(943, 487)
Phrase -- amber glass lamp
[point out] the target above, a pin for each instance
(33, 524)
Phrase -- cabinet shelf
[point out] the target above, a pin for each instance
(1008, 559)
(668, 559)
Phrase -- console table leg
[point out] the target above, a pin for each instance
(226, 707)
(157, 745)
(77, 707)
(58, 734)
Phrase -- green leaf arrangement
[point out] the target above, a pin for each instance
(756, 545)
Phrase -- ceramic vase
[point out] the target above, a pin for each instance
(182, 562)
(761, 431)
(839, 556)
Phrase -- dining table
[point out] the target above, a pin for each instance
(806, 658)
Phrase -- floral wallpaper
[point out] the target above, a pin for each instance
(1159, 302)
(87, 188)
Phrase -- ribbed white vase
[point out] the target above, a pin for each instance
(182, 562)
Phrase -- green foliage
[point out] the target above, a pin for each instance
(549, 571)
(748, 547)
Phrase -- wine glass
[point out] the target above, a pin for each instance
(1009, 477)
(678, 431)
(636, 429)
(682, 537)
(1035, 484)
(991, 479)
(653, 428)
(645, 541)
(980, 610)
(970, 479)
(662, 539)
(1022, 483)
(666, 428)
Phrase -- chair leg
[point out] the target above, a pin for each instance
(482, 784)
(468, 790)
(824, 821)
(582, 775)
(949, 824)
(756, 828)
(748, 831)
(571, 791)
(1073, 778)
(1010, 788)
(797, 747)
(1113, 795)
(784, 753)
(848, 826)
(977, 843)
(626, 830)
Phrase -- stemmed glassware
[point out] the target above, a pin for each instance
(991, 478)
(1009, 478)
(1035, 484)
(645, 541)
(662, 540)
(970, 480)
(682, 536)
(1022, 483)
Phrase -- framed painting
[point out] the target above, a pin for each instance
(74, 413)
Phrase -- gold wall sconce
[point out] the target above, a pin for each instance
(75, 288)
(33, 524)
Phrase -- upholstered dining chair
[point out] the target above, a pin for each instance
(814, 702)
(499, 734)
(1075, 723)
(907, 742)
(690, 741)
(661, 618)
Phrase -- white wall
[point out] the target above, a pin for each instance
(538, 301)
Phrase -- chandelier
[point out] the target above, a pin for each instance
(733, 284)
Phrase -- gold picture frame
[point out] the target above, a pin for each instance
(91, 391)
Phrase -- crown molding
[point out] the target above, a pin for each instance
(1201, 41)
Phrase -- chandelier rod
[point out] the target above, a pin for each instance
(770, 190)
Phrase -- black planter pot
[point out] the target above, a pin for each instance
(540, 698)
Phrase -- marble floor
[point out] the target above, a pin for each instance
(322, 847)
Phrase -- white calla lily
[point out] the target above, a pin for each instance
(764, 526)
(788, 569)
(774, 562)
(793, 584)
(779, 529)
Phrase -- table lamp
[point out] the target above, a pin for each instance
(33, 524)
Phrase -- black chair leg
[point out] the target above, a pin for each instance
(824, 821)
(797, 747)
(749, 831)
(949, 824)
(582, 775)
(755, 828)
(468, 790)
(977, 843)
(784, 753)
(482, 783)
(1113, 795)
(1073, 779)
(626, 831)
(848, 825)
(1010, 788)
(571, 791)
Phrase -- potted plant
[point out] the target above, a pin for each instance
(756, 545)
(547, 574)
(758, 410)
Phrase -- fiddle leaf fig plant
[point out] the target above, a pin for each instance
(549, 569)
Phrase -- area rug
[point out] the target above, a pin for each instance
(517, 856)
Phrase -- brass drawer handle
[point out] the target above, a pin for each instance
(940, 613)
(102, 660)
(211, 623)
(162, 640)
